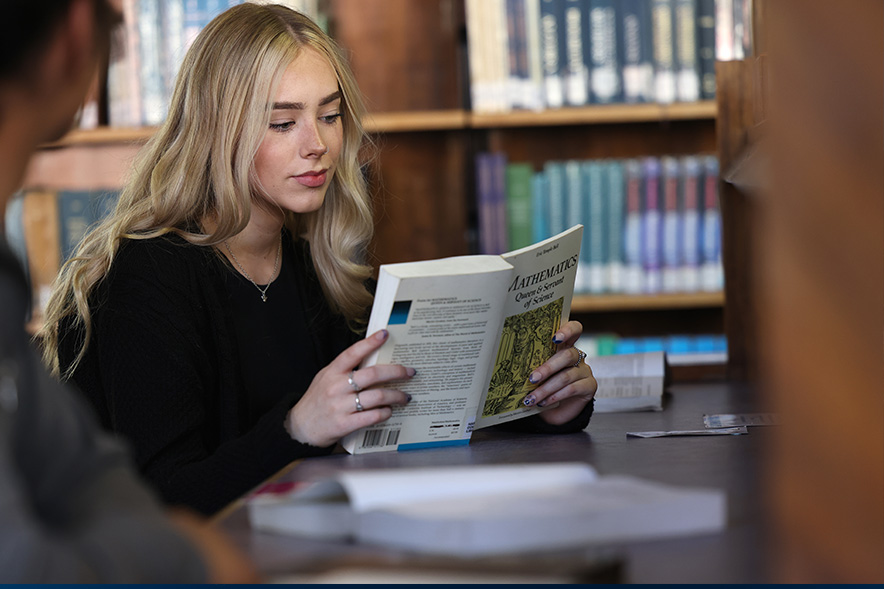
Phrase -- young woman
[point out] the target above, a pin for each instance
(211, 319)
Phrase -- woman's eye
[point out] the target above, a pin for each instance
(282, 126)
(331, 119)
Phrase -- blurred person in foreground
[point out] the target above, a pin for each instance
(72, 508)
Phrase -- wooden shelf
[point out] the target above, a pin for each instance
(600, 114)
(450, 120)
(606, 303)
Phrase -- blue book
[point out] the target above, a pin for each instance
(706, 47)
(540, 198)
(555, 176)
(596, 225)
(711, 270)
(15, 230)
(633, 246)
(74, 219)
(615, 188)
(690, 173)
(576, 53)
(552, 43)
(605, 67)
(663, 34)
(652, 227)
(673, 225)
(517, 55)
(637, 50)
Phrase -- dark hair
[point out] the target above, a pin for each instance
(28, 25)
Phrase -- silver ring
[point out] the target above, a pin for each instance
(353, 384)
(581, 355)
(358, 404)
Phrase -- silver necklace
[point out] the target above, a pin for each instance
(263, 291)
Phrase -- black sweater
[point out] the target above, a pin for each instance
(163, 371)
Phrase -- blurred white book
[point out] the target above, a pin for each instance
(628, 382)
(482, 510)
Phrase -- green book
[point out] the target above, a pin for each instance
(519, 205)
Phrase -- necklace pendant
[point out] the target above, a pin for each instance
(264, 297)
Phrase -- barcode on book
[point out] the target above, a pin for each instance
(380, 437)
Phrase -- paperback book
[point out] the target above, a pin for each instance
(474, 328)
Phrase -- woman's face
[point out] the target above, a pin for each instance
(297, 158)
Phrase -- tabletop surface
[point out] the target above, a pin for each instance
(731, 463)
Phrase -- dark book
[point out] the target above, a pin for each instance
(576, 54)
(605, 66)
(662, 19)
(552, 42)
(637, 50)
(686, 59)
(706, 47)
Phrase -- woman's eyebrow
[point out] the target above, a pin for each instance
(300, 105)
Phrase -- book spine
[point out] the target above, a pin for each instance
(150, 58)
(517, 54)
(499, 50)
(519, 205)
(534, 87)
(540, 206)
(552, 17)
(673, 236)
(597, 227)
(479, 90)
(690, 173)
(485, 202)
(637, 49)
(15, 229)
(74, 219)
(664, 51)
(498, 185)
(633, 276)
(616, 218)
(724, 30)
(652, 226)
(706, 47)
(576, 51)
(712, 276)
(576, 213)
(686, 58)
(605, 66)
(555, 175)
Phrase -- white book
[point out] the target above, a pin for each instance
(474, 328)
(480, 510)
(628, 382)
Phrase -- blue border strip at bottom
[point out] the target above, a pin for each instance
(439, 444)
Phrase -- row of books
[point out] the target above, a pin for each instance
(547, 54)
(652, 224)
(711, 347)
(149, 51)
(44, 227)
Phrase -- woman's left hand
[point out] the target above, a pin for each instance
(564, 378)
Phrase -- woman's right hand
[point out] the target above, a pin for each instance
(329, 410)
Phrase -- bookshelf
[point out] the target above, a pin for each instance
(410, 59)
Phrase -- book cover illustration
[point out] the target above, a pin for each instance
(525, 343)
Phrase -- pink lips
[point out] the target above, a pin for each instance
(312, 179)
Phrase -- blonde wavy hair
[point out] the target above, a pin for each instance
(199, 165)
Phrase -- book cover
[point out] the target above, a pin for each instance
(629, 382)
(686, 57)
(615, 212)
(552, 43)
(469, 511)
(706, 47)
(474, 327)
(633, 236)
(519, 204)
(672, 238)
(605, 67)
(652, 229)
(662, 23)
(576, 52)
(638, 50)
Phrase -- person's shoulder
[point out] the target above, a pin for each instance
(163, 255)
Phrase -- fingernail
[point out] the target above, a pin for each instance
(534, 378)
(382, 334)
(528, 401)
(408, 397)
(410, 371)
(558, 338)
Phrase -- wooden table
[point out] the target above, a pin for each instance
(736, 555)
